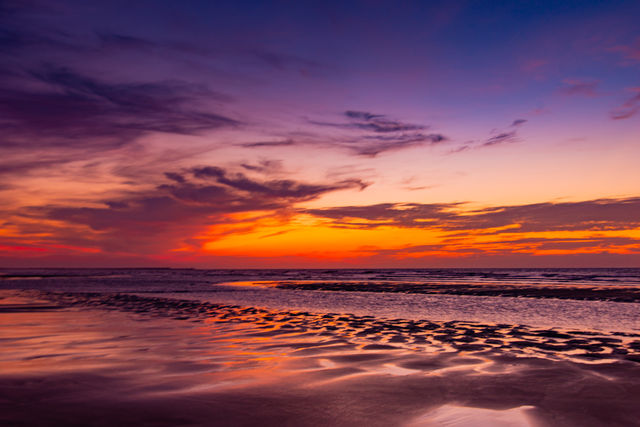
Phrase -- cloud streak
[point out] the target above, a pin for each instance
(594, 215)
(504, 136)
(629, 108)
(70, 109)
(501, 233)
(371, 134)
(282, 143)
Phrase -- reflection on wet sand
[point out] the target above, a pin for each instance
(107, 359)
(456, 416)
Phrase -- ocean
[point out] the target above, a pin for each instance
(601, 299)
(411, 347)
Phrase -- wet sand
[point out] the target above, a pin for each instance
(101, 359)
(540, 312)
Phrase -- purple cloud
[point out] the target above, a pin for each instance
(630, 52)
(282, 143)
(629, 108)
(67, 108)
(602, 214)
(502, 137)
(157, 220)
(276, 189)
(376, 133)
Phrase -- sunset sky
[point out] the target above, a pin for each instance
(319, 134)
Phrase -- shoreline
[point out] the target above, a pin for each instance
(106, 359)
(458, 335)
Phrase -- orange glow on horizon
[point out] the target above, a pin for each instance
(313, 238)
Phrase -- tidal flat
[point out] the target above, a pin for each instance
(113, 358)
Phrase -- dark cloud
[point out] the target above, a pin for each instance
(504, 136)
(362, 115)
(413, 215)
(372, 145)
(378, 123)
(99, 114)
(629, 108)
(605, 214)
(72, 109)
(264, 166)
(507, 248)
(142, 224)
(52, 114)
(21, 166)
(571, 243)
(500, 138)
(460, 149)
(175, 177)
(594, 215)
(580, 87)
(159, 219)
(376, 133)
(282, 143)
(116, 204)
(278, 189)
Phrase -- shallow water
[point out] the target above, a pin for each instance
(209, 285)
(319, 347)
(596, 315)
(92, 359)
(172, 280)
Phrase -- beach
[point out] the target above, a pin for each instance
(114, 358)
(319, 214)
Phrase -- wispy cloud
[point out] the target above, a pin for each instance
(594, 215)
(503, 136)
(71, 109)
(518, 122)
(518, 249)
(500, 138)
(278, 143)
(51, 116)
(377, 123)
(372, 134)
(266, 167)
(630, 52)
(273, 189)
(629, 108)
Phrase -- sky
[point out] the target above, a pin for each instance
(250, 134)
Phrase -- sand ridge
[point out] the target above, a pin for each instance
(381, 333)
